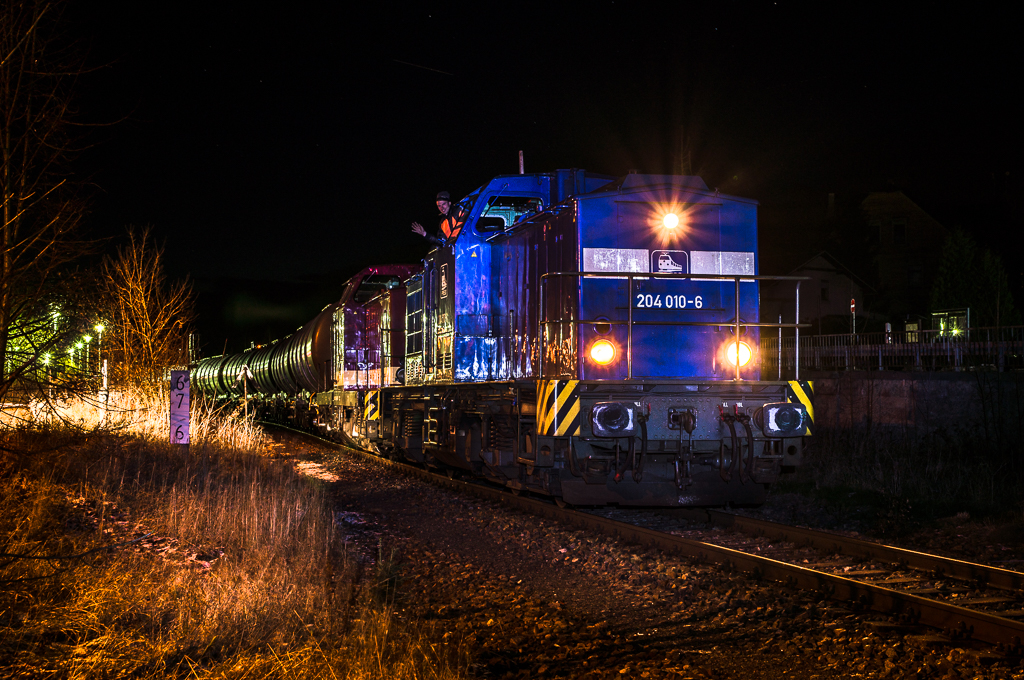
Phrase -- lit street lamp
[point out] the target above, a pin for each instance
(49, 382)
(101, 364)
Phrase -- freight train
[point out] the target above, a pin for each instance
(589, 338)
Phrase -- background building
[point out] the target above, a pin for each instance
(907, 247)
(824, 300)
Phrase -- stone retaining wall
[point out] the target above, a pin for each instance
(920, 403)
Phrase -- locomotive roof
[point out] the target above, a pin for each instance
(636, 180)
(693, 183)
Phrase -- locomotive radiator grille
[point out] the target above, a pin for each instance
(414, 369)
(412, 424)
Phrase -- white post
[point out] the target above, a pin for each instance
(179, 413)
(104, 392)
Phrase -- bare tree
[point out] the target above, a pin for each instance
(40, 206)
(150, 318)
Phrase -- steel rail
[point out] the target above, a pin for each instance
(958, 621)
(982, 574)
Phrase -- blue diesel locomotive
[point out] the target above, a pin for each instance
(591, 338)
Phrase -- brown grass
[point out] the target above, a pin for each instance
(238, 574)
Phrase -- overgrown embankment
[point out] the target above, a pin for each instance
(122, 555)
(939, 442)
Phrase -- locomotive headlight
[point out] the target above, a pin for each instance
(602, 352)
(744, 352)
(613, 419)
(671, 220)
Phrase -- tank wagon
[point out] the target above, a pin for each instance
(586, 337)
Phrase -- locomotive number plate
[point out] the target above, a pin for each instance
(667, 301)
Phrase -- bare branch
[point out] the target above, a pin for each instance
(150, 319)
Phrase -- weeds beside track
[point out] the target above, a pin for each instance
(123, 555)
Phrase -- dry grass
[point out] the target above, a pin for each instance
(239, 573)
(143, 414)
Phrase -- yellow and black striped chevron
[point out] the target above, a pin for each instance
(802, 392)
(372, 408)
(558, 408)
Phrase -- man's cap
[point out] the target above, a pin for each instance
(443, 196)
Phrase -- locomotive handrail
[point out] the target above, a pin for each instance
(629, 276)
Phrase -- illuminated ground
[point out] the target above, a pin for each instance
(533, 600)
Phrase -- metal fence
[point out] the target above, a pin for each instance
(992, 348)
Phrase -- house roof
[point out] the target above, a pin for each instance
(839, 266)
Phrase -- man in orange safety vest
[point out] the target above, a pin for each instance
(450, 224)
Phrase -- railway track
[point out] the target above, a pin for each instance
(964, 600)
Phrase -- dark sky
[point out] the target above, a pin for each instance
(297, 144)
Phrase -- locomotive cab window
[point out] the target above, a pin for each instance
(414, 318)
(504, 211)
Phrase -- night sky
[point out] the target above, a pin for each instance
(280, 150)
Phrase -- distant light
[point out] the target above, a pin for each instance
(46, 359)
(671, 221)
(99, 328)
(78, 346)
(88, 339)
(603, 352)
